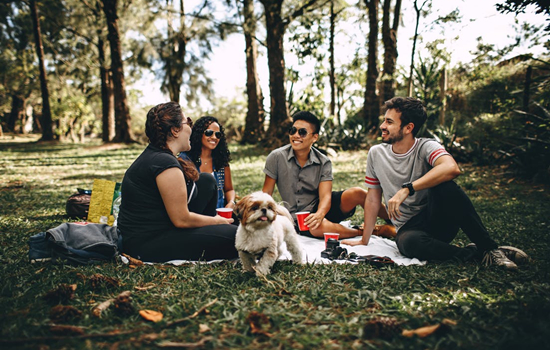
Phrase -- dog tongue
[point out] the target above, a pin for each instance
(263, 218)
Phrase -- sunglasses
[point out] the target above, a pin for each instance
(209, 133)
(188, 122)
(302, 131)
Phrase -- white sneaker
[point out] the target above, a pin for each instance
(516, 255)
(498, 258)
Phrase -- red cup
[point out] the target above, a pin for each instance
(225, 212)
(301, 216)
(331, 235)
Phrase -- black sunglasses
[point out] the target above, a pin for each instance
(302, 131)
(209, 132)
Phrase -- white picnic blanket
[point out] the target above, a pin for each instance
(312, 248)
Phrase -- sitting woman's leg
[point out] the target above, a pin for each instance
(203, 243)
(205, 201)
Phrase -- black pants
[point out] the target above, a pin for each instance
(427, 235)
(201, 243)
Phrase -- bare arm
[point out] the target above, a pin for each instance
(228, 188)
(325, 194)
(269, 185)
(172, 188)
(445, 169)
(373, 202)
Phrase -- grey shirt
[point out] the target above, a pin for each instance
(389, 171)
(298, 187)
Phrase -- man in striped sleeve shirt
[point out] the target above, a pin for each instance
(427, 207)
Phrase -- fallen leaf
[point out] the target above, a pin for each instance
(62, 294)
(203, 328)
(150, 315)
(146, 287)
(64, 313)
(133, 261)
(66, 330)
(429, 330)
(175, 345)
(98, 281)
(256, 321)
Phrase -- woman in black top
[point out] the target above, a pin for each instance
(168, 209)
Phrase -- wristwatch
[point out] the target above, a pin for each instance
(409, 186)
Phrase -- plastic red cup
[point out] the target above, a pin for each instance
(225, 212)
(301, 216)
(331, 235)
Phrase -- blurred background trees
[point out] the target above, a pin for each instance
(335, 58)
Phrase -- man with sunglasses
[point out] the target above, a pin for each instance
(303, 176)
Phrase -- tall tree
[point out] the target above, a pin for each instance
(389, 38)
(174, 52)
(371, 107)
(255, 115)
(123, 130)
(276, 25)
(47, 125)
(418, 11)
(17, 63)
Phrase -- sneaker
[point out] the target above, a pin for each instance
(498, 258)
(516, 255)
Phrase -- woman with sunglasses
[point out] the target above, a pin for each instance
(168, 209)
(210, 154)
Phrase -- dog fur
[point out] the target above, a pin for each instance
(264, 225)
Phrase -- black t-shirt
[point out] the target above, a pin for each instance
(142, 213)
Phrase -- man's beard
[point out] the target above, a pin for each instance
(394, 138)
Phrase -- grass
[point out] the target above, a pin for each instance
(296, 307)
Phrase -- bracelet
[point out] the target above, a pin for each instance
(232, 201)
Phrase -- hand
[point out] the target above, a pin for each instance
(314, 220)
(230, 204)
(352, 242)
(219, 220)
(395, 202)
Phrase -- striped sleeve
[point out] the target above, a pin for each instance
(371, 180)
(436, 154)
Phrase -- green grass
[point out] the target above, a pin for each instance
(302, 307)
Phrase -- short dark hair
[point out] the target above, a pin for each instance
(412, 111)
(308, 117)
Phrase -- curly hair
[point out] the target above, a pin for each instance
(220, 155)
(158, 127)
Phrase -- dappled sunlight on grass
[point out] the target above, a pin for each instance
(303, 307)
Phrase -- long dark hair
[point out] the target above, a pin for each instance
(158, 127)
(220, 155)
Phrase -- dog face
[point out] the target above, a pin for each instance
(256, 209)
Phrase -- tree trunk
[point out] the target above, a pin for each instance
(279, 117)
(389, 38)
(175, 59)
(16, 113)
(47, 128)
(332, 74)
(442, 94)
(255, 115)
(123, 129)
(371, 109)
(411, 68)
(107, 96)
(527, 88)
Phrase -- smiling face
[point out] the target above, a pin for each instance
(303, 143)
(211, 142)
(392, 131)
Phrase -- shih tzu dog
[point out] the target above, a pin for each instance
(264, 225)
